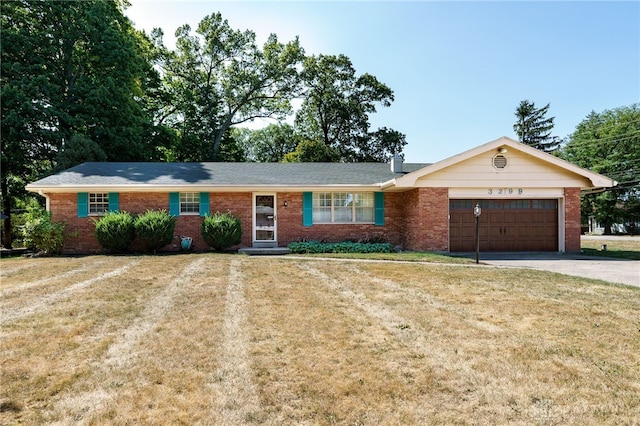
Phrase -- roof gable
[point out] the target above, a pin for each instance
(526, 166)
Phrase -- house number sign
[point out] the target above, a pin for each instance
(505, 191)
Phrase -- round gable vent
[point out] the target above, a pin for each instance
(499, 161)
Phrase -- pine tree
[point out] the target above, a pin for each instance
(533, 128)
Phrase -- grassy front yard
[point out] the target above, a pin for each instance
(618, 248)
(229, 339)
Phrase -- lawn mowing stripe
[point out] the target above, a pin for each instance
(28, 285)
(49, 300)
(234, 380)
(399, 327)
(10, 271)
(121, 354)
(429, 300)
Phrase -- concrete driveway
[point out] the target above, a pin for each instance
(602, 268)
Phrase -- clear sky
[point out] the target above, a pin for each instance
(458, 69)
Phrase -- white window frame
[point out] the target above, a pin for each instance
(189, 201)
(98, 203)
(321, 199)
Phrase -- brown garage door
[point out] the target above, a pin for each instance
(505, 225)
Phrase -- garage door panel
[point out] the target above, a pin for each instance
(506, 225)
(511, 217)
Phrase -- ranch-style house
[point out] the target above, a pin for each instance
(529, 200)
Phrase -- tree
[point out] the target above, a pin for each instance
(312, 151)
(336, 109)
(380, 146)
(269, 144)
(533, 128)
(219, 78)
(78, 150)
(609, 143)
(68, 68)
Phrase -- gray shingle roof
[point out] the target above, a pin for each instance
(224, 174)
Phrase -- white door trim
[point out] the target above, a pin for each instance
(264, 243)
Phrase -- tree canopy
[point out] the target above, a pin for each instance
(218, 78)
(609, 143)
(534, 128)
(68, 69)
(336, 109)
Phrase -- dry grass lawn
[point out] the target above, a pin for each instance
(229, 339)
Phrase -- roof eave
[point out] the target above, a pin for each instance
(50, 189)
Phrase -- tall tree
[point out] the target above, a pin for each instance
(68, 68)
(219, 78)
(534, 128)
(609, 143)
(336, 110)
(269, 144)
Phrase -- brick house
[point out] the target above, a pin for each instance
(530, 200)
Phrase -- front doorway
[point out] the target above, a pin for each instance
(264, 221)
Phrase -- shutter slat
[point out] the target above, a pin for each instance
(204, 203)
(174, 203)
(378, 205)
(114, 201)
(83, 204)
(307, 209)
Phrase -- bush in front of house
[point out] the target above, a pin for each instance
(115, 231)
(221, 230)
(43, 234)
(155, 229)
(312, 247)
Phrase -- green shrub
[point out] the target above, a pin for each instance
(43, 234)
(155, 229)
(221, 230)
(115, 231)
(344, 247)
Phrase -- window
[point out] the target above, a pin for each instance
(343, 207)
(98, 203)
(189, 202)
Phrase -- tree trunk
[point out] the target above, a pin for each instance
(6, 209)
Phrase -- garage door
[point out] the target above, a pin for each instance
(505, 225)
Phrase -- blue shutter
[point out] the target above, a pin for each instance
(83, 204)
(378, 208)
(204, 203)
(174, 203)
(114, 201)
(307, 209)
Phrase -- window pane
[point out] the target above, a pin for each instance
(321, 215)
(98, 203)
(364, 214)
(189, 202)
(342, 211)
(321, 207)
(321, 199)
(343, 214)
(342, 199)
(364, 199)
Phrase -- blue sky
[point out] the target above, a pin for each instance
(458, 69)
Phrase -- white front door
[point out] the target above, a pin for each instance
(264, 220)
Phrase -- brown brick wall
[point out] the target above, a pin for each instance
(416, 220)
(572, 219)
(79, 236)
(80, 232)
(427, 219)
(290, 228)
